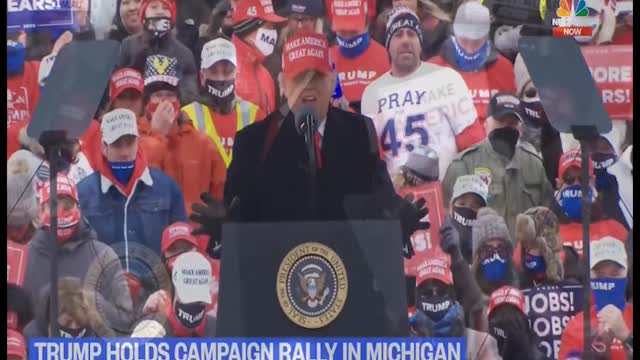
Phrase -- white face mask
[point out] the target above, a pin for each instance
(266, 40)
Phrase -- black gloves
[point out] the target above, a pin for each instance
(410, 213)
(450, 240)
(211, 216)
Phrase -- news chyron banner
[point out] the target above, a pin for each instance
(245, 349)
(425, 242)
(30, 15)
(549, 309)
(612, 69)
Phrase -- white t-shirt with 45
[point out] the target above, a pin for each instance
(429, 107)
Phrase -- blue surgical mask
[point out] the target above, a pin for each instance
(535, 265)
(609, 291)
(122, 170)
(570, 200)
(441, 328)
(15, 57)
(473, 61)
(494, 268)
(354, 46)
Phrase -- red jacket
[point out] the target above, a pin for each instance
(253, 82)
(91, 144)
(23, 92)
(355, 74)
(571, 234)
(573, 335)
(497, 76)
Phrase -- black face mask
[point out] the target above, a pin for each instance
(157, 26)
(190, 315)
(71, 333)
(504, 140)
(221, 92)
(464, 216)
(534, 113)
(435, 306)
(601, 161)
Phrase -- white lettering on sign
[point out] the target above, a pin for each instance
(612, 73)
(33, 5)
(357, 75)
(306, 40)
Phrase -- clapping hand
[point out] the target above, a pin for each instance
(410, 214)
(210, 216)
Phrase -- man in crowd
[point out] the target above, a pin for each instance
(158, 19)
(515, 176)
(418, 103)
(255, 38)
(221, 114)
(611, 315)
(304, 15)
(79, 253)
(355, 51)
(568, 205)
(125, 201)
(470, 52)
(168, 139)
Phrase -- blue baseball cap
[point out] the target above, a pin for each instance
(313, 8)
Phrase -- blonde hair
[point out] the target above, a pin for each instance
(429, 7)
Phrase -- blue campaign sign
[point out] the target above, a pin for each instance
(250, 348)
(30, 15)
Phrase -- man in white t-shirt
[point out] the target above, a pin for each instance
(419, 103)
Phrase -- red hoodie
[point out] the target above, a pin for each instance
(253, 82)
(571, 234)
(23, 92)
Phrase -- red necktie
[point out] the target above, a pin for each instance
(316, 140)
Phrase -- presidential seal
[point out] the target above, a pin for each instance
(312, 285)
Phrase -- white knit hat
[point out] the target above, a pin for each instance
(21, 167)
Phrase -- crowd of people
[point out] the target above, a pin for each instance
(452, 106)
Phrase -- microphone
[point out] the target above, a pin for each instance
(306, 121)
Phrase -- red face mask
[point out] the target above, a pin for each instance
(152, 107)
(67, 223)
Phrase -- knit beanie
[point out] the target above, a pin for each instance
(423, 161)
(538, 227)
(170, 3)
(21, 169)
(521, 74)
(489, 225)
(400, 18)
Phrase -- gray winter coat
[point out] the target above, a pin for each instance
(88, 259)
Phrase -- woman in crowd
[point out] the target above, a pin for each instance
(126, 21)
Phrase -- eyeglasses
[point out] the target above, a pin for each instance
(487, 251)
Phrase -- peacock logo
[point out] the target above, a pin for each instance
(568, 8)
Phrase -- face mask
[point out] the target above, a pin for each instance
(15, 57)
(473, 61)
(152, 107)
(464, 216)
(535, 266)
(494, 268)
(122, 170)
(354, 46)
(435, 307)
(609, 291)
(68, 221)
(221, 91)
(570, 201)
(189, 315)
(450, 325)
(532, 135)
(602, 161)
(157, 26)
(534, 112)
(266, 40)
(71, 333)
(503, 140)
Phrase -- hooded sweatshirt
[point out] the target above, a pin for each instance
(23, 92)
(495, 76)
(88, 259)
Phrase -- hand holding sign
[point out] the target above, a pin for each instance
(63, 40)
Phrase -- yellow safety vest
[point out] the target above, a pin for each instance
(201, 119)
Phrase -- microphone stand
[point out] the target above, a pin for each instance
(309, 137)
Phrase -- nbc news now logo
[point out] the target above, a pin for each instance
(568, 14)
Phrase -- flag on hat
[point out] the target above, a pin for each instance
(160, 68)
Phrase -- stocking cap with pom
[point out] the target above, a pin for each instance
(21, 168)
(489, 225)
(538, 228)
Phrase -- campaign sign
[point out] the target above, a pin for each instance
(425, 241)
(30, 15)
(549, 309)
(612, 69)
(16, 262)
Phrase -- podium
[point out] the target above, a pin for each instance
(312, 279)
